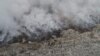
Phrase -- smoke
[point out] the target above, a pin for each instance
(38, 18)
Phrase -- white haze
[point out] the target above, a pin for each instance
(42, 16)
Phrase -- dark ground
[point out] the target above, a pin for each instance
(71, 43)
